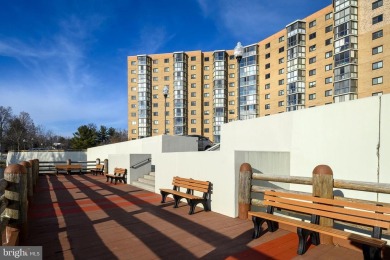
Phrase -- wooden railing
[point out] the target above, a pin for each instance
(322, 183)
(16, 189)
(49, 167)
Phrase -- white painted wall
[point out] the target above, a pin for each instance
(16, 157)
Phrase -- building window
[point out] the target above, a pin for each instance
(206, 76)
(166, 60)
(193, 67)
(267, 86)
(281, 92)
(206, 104)
(281, 71)
(193, 85)
(155, 113)
(281, 103)
(312, 84)
(155, 70)
(268, 45)
(133, 114)
(232, 93)
(267, 106)
(206, 86)
(193, 76)
(312, 72)
(328, 54)
(155, 104)
(328, 41)
(206, 121)
(231, 112)
(312, 36)
(328, 93)
(133, 88)
(155, 96)
(166, 69)
(267, 76)
(328, 67)
(312, 96)
(206, 94)
(312, 48)
(133, 63)
(206, 58)
(377, 94)
(155, 78)
(328, 28)
(133, 131)
(166, 78)
(378, 80)
(377, 19)
(312, 60)
(231, 57)
(193, 94)
(206, 130)
(377, 65)
(232, 66)
(193, 103)
(133, 72)
(207, 112)
(231, 102)
(377, 34)
(193, 130)
(267, 66)
(133, 80)
(193, 121)
(281, 49)
(267, 96)
(231, 84)
(133, 105)
(231, 75)
(281, 39)
(312, 23)
(281, 60)
(328, 80)
(328, 16)
(206, 67)
(281, 82)
(268, 55)
(155, 122)
(193, 58)
(133, 98)
(155, 61)
(377, 4)
(376, 50)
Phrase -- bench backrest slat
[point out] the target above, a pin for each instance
(120, 171)
(305, 205)
(100, 166)
(202, 186)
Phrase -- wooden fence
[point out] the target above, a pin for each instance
(16, 190)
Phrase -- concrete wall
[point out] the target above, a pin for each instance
(16, 157)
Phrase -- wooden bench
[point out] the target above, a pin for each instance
(118, 175)
(68, 168)
(190, 185)
(373, 216)
(98, 169)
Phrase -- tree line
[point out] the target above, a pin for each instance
(19, 132)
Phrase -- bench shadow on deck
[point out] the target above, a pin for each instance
(83, 217)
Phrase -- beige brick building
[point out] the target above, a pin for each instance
(337, 54)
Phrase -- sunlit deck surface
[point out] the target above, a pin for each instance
(83, 217)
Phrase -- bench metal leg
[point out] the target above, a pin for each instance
(163, 196)
(371, 253)
(303, 234)
(257, 222)
(177, 201)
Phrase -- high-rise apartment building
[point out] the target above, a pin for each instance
(337, 54)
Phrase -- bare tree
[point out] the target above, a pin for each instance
(5, 117)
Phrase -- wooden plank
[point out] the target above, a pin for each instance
(328, 208)
(342, 203)
(182, 194)
(325, 230)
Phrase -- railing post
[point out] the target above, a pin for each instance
(69, 162)
(16, 194)
(244, 190)
(29, 179)
(35, 171)
(105, 166)
(323, 188)
(97, 161)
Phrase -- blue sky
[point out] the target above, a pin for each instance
(65, 62)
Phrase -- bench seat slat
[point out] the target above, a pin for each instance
(342, 203)
(355, 211)
(325, 230)
(182, 194)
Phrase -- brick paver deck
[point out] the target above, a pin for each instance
(83, 217)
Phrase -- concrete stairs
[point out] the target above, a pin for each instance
(146, 182)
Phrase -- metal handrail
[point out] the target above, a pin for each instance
(141, 163)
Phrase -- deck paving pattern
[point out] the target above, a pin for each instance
(83, 217)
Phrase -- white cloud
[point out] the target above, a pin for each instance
(151, 39)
